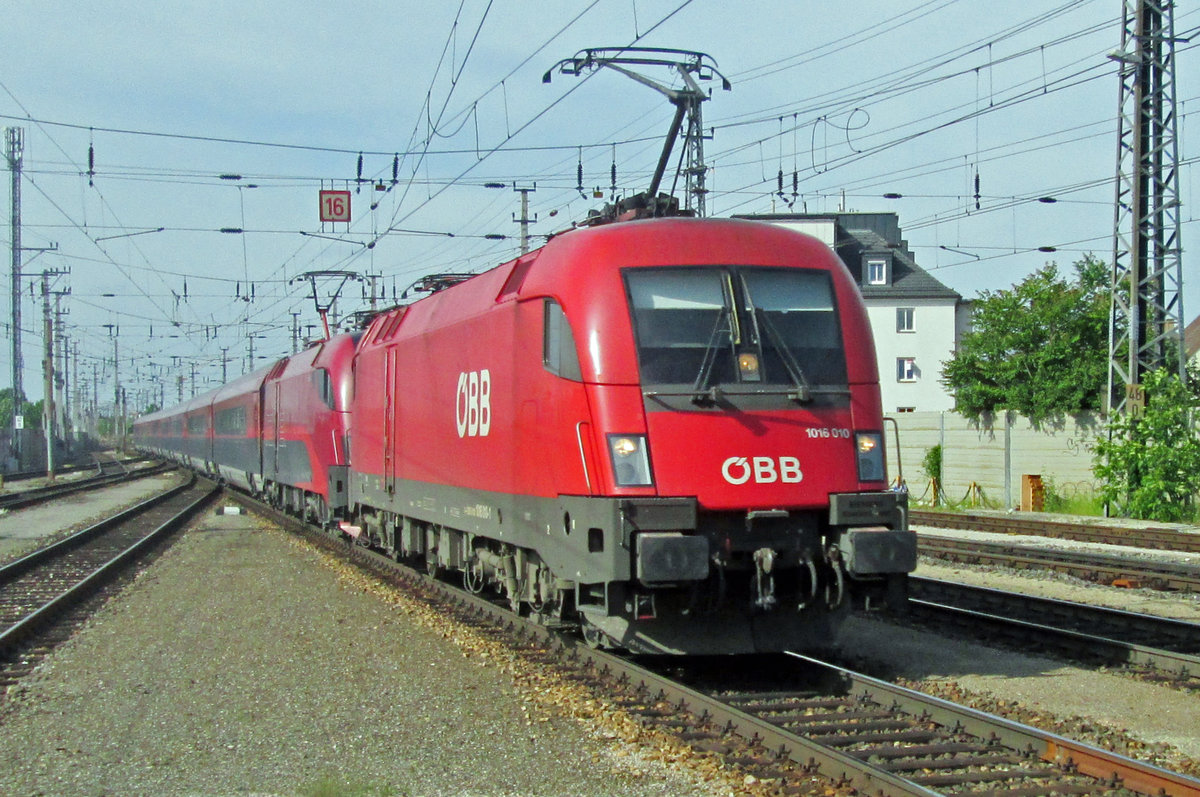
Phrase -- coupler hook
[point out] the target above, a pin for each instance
(764, 561)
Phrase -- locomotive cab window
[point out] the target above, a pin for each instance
(558, 344)
(323, 384)
(736, 328)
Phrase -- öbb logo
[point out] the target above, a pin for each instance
(764, 470)
(473, 403)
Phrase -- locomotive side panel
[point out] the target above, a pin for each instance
(485, 433)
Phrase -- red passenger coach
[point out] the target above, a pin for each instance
(278, 432)
(667, 429)
(236, 412)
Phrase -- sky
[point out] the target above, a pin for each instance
(173, 153)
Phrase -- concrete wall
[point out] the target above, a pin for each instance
(993, 453)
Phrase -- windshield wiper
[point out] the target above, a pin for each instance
(701, 394)
(803, 392)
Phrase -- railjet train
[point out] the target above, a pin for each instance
(665, 430)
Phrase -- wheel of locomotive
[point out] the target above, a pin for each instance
(593, 637)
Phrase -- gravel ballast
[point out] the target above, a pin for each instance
(241, 663)
(244, 662)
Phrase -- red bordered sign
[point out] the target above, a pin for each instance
(335, 206)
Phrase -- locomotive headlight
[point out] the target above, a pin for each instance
(630, 460)
(869, 449)
(748, 366)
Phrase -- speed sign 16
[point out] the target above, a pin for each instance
(335, 206)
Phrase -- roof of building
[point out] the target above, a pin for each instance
(865, 233)
(907, 279)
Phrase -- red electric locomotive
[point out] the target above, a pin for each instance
(668, 429)
(278, 432)
(305, 420)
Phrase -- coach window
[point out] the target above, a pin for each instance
(231, 421)
(558, 344)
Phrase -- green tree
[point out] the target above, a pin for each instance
(1149, 467)
(1040, 349)
(31, 410)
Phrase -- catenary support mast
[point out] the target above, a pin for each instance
(14, 148)
(1146, 317)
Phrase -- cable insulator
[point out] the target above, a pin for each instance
(614, 169)
(395, 168)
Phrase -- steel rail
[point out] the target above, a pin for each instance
(25, 475)
(944, 601)
(1088, 759)
(1167, 633)
(808, 754)
(1138, 536)
(831, 763)
(24, 628)
(1086, 565)
(38, 495)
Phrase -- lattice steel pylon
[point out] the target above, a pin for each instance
(1146, 317)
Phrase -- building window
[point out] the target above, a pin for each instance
(906, 409)
(877, 272)
(906, 369)
(904, 319)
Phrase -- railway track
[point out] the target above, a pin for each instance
(38, 589)
(1158, 537)
(76, 467)
(862, 734)
(1090, 566)
(110, 473)
(1157, 648)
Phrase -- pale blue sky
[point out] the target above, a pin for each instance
(864, 98)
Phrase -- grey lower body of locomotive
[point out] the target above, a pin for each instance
(636, 569)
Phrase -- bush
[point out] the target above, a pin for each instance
(1149, 467)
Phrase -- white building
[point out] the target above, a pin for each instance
(916, 320)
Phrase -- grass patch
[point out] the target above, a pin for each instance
(333, 786)
(1077, 502)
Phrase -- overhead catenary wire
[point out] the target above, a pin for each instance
(451, 251)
